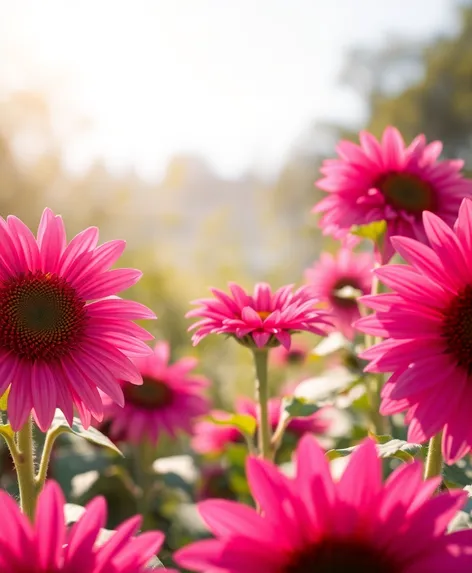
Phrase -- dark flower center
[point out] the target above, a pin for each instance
(41, 316)
(151, 394)
(457, 328)
(407, 192)
(341, 297)
(338, 556)
(295, 356)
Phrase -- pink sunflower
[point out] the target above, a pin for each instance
(63, 332)
(212, 438)
(264, 319)
(169, 400)
(47, 545)
(385, 180)
(312, 523)
(427, 323)
(332, 276)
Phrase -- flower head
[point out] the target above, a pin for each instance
(312, 523)
(338, 280)
(213, 438)
(385, 180)
(263, 319)
(427, 323)
(169, 400)
(63, 332)
(47, 545)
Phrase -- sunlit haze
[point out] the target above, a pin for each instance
(235, 81)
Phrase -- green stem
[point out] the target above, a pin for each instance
(262, 397)
(279, 432)
(25, 469)
(434, 460)
(144, 459)
(51, 437)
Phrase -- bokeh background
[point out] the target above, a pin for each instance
(194, 129)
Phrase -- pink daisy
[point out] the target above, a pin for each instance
(388, 181)
(169, 400)
(334, 274)
(212, 438)
(427, 322)
(313, 524)
(264, 319)
(297, 354)
(48, 546)
(63, 332)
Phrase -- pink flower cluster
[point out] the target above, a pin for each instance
(69, 342)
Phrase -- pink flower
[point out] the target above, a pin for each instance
(427, 322)
(297, 354)
(314, 524)
(57, 349)
(387, 181)
(48, 545)
(211, 438)
(334, 274)
(169, 400)
(263, 319)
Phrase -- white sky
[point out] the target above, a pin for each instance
(234, 80)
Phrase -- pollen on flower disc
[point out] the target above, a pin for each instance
(41, 316)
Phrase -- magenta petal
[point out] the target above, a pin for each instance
(261, 338)
(49, 527)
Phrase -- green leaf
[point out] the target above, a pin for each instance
(5, 430)
(244, 423)
(373, 231)
(459, 522)
(391, 449)
(91, 434)
(154, 564)
(459, 474)
(4, 400)
(295, 407)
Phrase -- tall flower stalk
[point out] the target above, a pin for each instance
(262, 398)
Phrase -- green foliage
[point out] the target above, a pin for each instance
(386, 448)
(91, 434)
(295, 407)
(244, 423)
(4, 400)
(374, 232)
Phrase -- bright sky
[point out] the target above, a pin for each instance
(234, 80)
